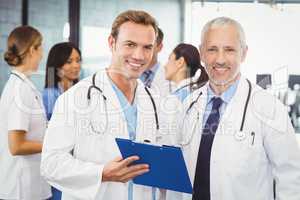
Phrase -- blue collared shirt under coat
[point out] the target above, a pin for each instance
(149, 79)
(226, 96)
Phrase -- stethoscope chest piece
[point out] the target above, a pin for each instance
(240, 135)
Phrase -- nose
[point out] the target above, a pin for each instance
(220, 58)
(138, 54)
(77, 65)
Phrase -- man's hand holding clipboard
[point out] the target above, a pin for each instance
(167, 169)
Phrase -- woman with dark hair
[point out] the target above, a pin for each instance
(185, 70)
(22, 120)
(62, 71)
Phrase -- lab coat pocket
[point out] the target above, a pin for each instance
(246, 155)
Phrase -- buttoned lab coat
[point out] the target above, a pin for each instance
(78, 174)
(21, 108)
(244, 165)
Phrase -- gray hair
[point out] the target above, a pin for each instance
(224, 21)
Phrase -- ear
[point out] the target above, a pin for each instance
(111, 42)
(31, 50)
(244, 53)
(159, 47)
(180, 62)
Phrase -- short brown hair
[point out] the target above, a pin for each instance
(19, 41)
(160, 36)
(136, 16)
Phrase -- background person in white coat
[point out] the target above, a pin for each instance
(154, 76)
(80, 156)
(236, 138)
(22, 120)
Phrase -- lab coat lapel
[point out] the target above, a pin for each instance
(193, 128)
(114, 108)
(225, 136)
(146, 124)
(37, 93)
(232, 117)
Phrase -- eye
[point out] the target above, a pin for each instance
(130, 45)
(230, 50)
(148, 47)
(212, 49)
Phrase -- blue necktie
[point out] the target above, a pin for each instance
(147, 80)
(201, 190)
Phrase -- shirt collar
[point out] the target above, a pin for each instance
(24, 78)
(184, 83)
(123, 100)
(154, 68)
(226, 96)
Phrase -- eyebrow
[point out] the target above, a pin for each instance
(130, 41)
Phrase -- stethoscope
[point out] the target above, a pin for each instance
(239, 135)
(18, 76)
(95, 87)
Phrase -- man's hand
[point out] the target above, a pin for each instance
(118, 170)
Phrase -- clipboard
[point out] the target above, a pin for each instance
(167, 167)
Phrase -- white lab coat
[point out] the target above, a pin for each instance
(21, 108)
(79, 175)
(243, 166)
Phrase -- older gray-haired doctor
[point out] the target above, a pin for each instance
(236, 138)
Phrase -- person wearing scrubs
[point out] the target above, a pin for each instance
(80, 156)
(185, 70)
(62, 72)
(22, 120)
(154, 76)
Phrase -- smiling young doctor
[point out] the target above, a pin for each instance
(23, 120)
(80, 156)
(236, 138)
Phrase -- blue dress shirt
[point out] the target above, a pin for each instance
(226, 96)
(148, 78)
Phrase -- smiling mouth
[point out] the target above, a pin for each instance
(135, 66)
(220, 69)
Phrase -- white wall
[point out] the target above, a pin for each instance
(272, 34)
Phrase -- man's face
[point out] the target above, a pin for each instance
(222, 54)
(132, 50)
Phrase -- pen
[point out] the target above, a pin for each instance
(253, 136)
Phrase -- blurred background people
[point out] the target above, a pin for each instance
(62, 71)
(154, 76)
(185, 70)
(22, 120)
(292, 100)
